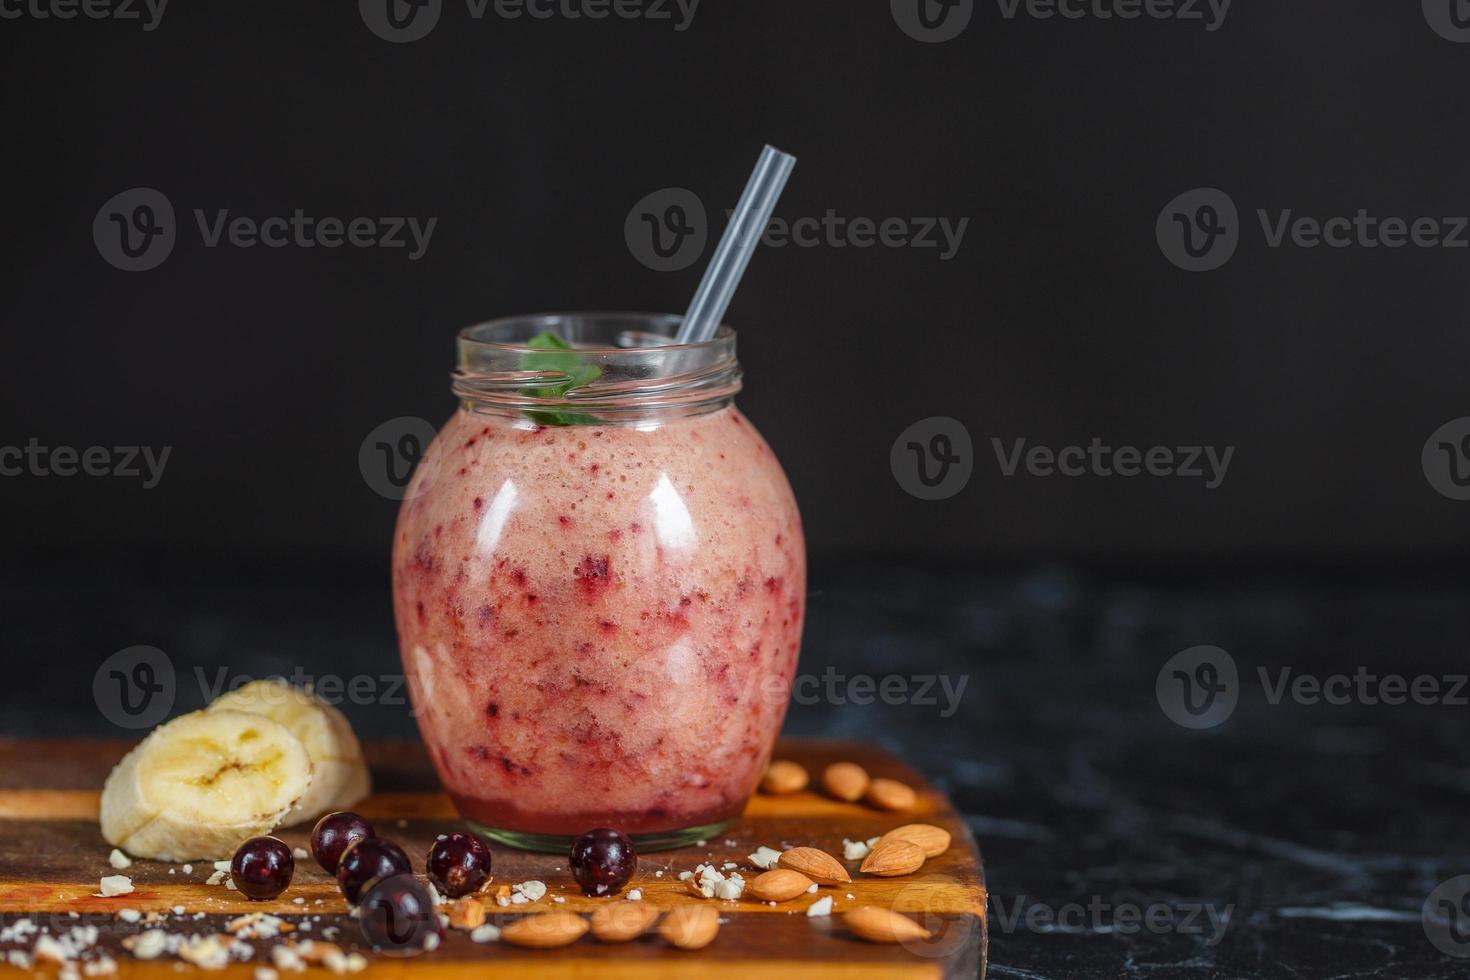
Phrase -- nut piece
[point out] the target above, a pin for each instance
(891, 858)
(845, 780)
(618, 922)
(783, 776)
(932, 840)
(883, 926)
(780, 885)
(890, 794)
(819, 866)
(545, 931)
(690, 926)
(467, 913)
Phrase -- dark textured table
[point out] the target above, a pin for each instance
(1292, 839)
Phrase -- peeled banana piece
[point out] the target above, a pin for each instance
(339, 774)
(199, 785)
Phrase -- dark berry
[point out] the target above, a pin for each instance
(458, 864)
(335, 833)
(603, 860)
(398, 918)
(366, 862)
(262, 868)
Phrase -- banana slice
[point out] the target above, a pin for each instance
(339, 774)
(200, 784)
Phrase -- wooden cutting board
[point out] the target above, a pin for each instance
(52, 856)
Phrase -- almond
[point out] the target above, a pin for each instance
(845, 780)
(891, 858)
(690, 926)
(890, 794)
(467, 913)
(780, 885)
(819, 866)
(783, 776)
(883, 926)
(618, 922)
(545, 931)
(932, 840)
(315, 951)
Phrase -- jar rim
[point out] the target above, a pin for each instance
(475, 335)
(617, 366)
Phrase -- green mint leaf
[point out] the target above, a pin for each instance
(555, 354)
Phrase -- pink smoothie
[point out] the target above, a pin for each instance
(600, 624)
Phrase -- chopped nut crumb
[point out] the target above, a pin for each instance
(115, 885)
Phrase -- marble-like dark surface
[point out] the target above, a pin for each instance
(1313, 833)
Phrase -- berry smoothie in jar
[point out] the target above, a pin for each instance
(599, 579)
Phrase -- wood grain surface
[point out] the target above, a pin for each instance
(52, 856)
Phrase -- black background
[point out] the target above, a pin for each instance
(1058, 320)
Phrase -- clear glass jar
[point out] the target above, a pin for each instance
(599, 579)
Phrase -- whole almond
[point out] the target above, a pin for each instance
(845, 780)
(883, 926)
(891, 858)
(819, 866)
(690, 926)
(467, 913)
(780, 885)
(545, 931)
(618, 922)
(784, 776)
(932, 840)
(890, 794)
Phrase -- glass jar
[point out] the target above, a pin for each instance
(599, 579)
